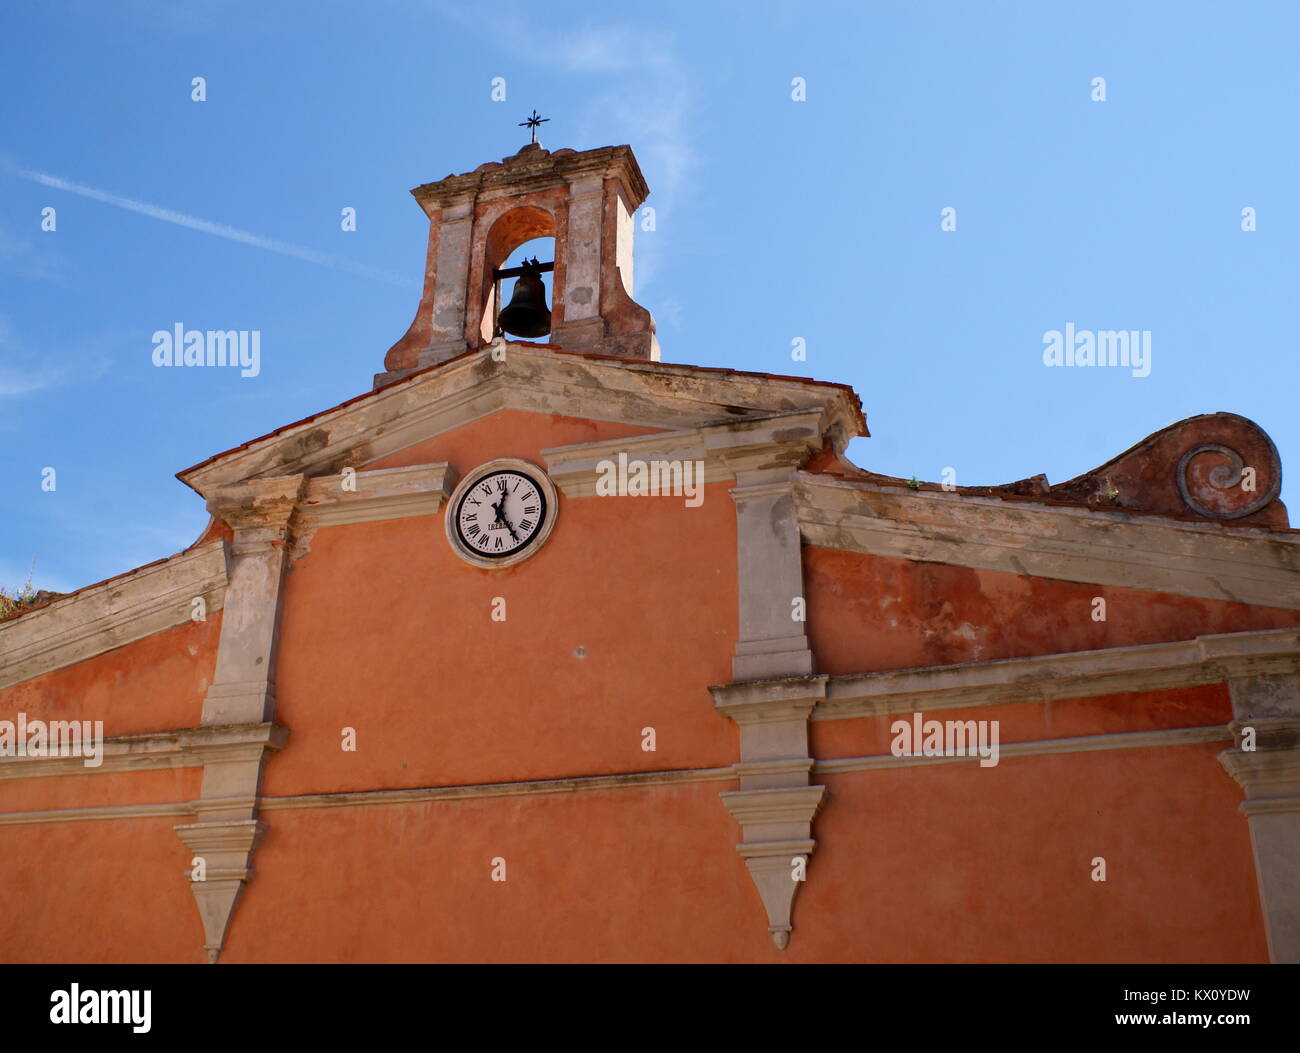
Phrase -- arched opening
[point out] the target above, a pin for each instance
(520, 236)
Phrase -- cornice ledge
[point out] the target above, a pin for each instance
(230, 741)
(1265, 774)
(182, 748)
(576, 469)
(1068, 674)
(764, 701)
(767, 443)
(114, 613)
(368, 496)
(1244, 565)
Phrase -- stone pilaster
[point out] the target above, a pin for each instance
(242, 694)
(765, 453)
(583, 325)
(455, 237)
(1266, 707)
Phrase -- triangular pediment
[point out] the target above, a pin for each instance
(531, 378)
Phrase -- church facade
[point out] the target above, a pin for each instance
(553, 651)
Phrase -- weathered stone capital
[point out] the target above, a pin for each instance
(1265, 774)
(765, 449)
(766, 701)
(258, 510)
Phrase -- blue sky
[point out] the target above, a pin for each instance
(775, 219)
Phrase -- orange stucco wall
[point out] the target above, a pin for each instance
(97, 892)
(153, 684)
(870, 613)
(620, 623)
(911, 866)
(386, 631)
(1203, 706)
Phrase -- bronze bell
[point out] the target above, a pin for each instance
(527, 314)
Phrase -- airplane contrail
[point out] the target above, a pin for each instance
(221, 230)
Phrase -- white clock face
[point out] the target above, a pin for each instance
(501, 513)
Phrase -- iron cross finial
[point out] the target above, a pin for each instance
(533, 122)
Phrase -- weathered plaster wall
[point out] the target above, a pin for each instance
(1187, 707)
(868, 613)
(153, 684)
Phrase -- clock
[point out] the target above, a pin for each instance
(501, 513)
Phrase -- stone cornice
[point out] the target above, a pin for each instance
(532, 379)
(534, 168)
(780, 441)
(116, 612)
(1126, 740)
(1244, 565)
(1077, 674)
(1172, 737)
(389, 493)
(182, 748)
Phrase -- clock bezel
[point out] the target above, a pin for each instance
(539, 479)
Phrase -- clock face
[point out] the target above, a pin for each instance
(501, 513)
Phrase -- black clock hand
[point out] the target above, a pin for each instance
(500, 510)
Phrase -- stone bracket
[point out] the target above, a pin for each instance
(776, 839)
(227, 851)
(776, 803)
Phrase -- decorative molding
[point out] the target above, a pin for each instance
(155, 751)
(112, 614)
(85, 815)
(726, 447)
(277, 736)
(532, 379)
(386, 493)
(226, 849)
(528, 788)
(1072, 674)
(1218, 494)
(1107, 547)
(369, 798)
(777, 842)
(776, 803)
(1129, 740)
(574, 469)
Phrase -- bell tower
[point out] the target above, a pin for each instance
(585, 200)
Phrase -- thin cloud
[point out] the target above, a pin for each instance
(220, 230)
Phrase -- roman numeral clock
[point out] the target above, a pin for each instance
(501, 513)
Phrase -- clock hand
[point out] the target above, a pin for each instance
(500, 510)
